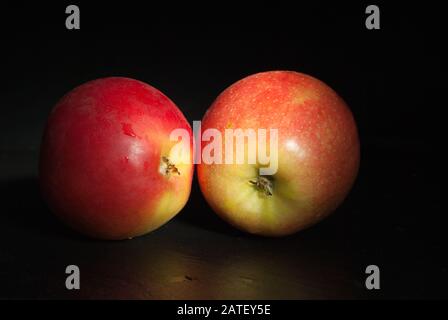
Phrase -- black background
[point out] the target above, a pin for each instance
(391, 78)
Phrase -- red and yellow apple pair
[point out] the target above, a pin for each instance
(108, 170)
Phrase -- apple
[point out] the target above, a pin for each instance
(106, 163)
(317, 153)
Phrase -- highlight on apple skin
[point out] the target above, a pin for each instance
(318, 153)
(105, 164)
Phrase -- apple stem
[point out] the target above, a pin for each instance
(263, 184)
(168, 167)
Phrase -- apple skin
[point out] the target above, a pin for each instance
(101, 164)
(318, 153)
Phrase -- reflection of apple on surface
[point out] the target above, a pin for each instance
(318, 153)
(105, 162)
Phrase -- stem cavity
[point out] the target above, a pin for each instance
(263, 184)
(167, 168)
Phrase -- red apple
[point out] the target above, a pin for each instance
(318, 153)
(106, 166)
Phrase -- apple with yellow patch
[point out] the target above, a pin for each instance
(317, 153)
(106, 164)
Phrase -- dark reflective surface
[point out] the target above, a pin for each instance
(197, 256)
